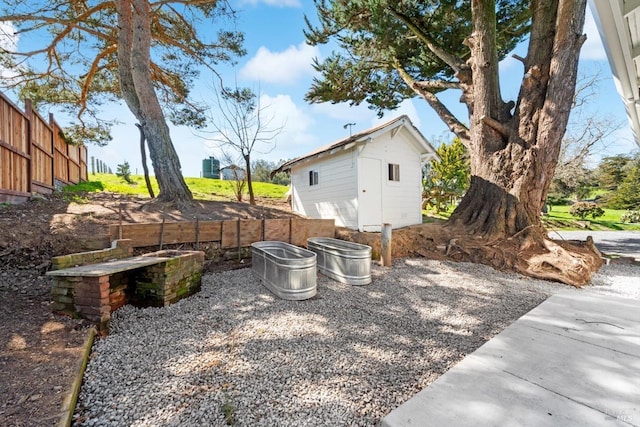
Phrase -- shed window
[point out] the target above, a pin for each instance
(394, 172)
(313, 177)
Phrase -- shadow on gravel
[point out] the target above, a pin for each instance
(346, 357)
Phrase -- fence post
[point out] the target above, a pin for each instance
(28, 110)
(385, 255)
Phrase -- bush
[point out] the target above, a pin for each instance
(630, 216)
(584, 209)
(124, 171)
(557, 199)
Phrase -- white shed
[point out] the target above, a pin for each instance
(365, 180)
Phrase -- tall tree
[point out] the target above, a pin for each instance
(145, 52)
(613, 170)
(448, 176)
(243, 125)
(397, 50)
(627, 194)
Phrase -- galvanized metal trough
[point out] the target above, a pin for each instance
(286, 270)
(346, 262)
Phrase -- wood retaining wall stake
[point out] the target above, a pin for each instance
(385, 245)
(290, 232)
(120, 221)
(197, 233)
(238, 234)
(162, 230)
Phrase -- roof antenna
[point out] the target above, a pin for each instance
(349, 125)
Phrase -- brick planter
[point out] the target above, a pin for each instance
(93, 291)
(167, 282)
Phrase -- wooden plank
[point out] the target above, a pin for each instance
(276, 229)
(210, 231)
(148, 234)
(21, 175)
(302, 229)
(5, 168)
(229, 234)
(83, 163)
(10, 147)
(141, 234)
(9, 103)
(250, 231)
(42, 188)
(14, 193)
(43, 150)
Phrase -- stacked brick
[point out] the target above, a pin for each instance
(155, 279)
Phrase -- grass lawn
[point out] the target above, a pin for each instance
(202, 188)
(559, 219)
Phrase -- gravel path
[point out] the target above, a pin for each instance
(235, 354)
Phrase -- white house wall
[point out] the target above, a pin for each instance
(336, 192)
(401, 200)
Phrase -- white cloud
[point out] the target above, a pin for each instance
(406, 107)
(345, 112)
(8, 36)
(296, 137)
(276, 3)
(592, 48)
(280, 67)
(8, 41)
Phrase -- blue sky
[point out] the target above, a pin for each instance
(278, 65)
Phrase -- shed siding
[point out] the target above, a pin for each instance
(336, 192)
(401, 200)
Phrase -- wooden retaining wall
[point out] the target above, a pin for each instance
(34, 156)
(229, 234)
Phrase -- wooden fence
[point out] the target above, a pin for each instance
(229, 234)
(34, 156)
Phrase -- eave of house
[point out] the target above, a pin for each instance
(360, 138)
(618, 22)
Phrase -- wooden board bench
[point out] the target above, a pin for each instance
(93, 291)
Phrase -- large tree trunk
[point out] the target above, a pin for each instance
(143, 157)
(247, 163)
(134, 41)
(513, 156)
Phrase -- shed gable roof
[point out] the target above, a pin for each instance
(361, 138)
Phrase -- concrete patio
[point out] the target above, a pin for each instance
(572, 361)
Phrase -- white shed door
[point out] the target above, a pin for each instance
(370, 204)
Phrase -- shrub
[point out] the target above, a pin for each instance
(124, 171)
(630, 216)
(584, 209)
(557, 199)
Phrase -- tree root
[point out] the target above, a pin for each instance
(529, 252)
(548, 260)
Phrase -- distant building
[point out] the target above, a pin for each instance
(369, 178)
(211, 168)
(232, 172)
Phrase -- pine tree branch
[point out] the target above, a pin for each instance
(454, 125)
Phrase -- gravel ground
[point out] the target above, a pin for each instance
(235, 354)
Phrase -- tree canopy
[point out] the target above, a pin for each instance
(390, 51)
(446, 177)
(68, 56)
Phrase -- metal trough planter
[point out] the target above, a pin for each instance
(286, 270)
(346, 262)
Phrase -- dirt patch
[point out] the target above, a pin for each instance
(39, 351)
